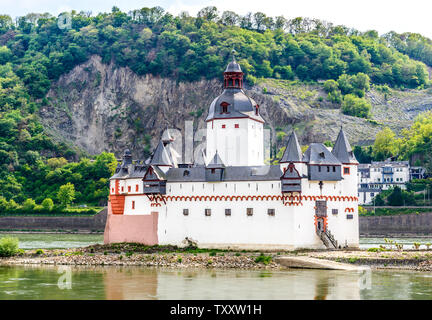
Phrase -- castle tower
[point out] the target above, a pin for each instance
(343, 152)
(293, 154)
(234, 124)
(161, 158)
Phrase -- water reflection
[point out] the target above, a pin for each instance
(130, 284)
(116, 283)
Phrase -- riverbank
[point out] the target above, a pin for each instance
(140, 255)
(174, 257)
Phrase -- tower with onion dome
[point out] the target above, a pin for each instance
(234, 123)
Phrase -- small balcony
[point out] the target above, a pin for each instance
(291, 187)
(387, 170)
(155, 188)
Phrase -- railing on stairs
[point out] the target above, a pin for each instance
(328, 239)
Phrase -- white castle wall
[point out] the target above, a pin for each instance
(242, 146)
(291, 227)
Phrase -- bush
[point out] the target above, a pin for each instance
(355, 106)
(335, 97)
(48, 204)
(330, 86)
(28, 205)
(263, 259)
(362, 211)
(251, 79)
(285, 72)
(8, 246)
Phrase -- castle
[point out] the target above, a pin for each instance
(234, 200)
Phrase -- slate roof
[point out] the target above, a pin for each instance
(161, 156)
(241, 173)
(342, 149)
(157, 174)
(233, 66)
(136, 171)
(239, 106)
(127, 158)
(317, 153)
(378, 164)
(216, 162)
(293, 150)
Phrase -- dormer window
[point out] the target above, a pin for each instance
(224, 107)
(321, 154)
(256, 109)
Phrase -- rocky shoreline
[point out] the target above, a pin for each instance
(173, 257)
(416, 260)
(137, 255)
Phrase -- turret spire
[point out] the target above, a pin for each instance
(293, 151)
(127, 158)
(233, 75)
(161, 156)
(216, 162)
(342, 149)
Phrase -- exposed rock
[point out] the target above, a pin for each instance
(101, 107)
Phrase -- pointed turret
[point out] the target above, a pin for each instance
(161, 156)
(166, 137)
(127, 158)
(293, 151)
(216, 162)
(342, 149)
(215, 169)
(233, 66)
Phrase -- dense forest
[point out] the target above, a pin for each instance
(35, 50)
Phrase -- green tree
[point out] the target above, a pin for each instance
(284, 72)
(66, 194)
(385, 145)
(47, 204)
(331, 86)
(28, 204)
(5, 54)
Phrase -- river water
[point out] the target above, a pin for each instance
(65, 282)
(101, 283)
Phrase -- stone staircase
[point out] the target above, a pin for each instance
(328, 239)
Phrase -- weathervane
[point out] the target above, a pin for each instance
(233, 52)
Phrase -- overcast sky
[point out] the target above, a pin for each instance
(381, 15)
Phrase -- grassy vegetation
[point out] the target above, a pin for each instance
(263, 259)
(59, 212)
(393, 211)
(8, 246)
(141, 248)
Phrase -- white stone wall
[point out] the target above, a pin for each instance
(291, 227)
(242, 146)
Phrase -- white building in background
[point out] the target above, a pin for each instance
(383, 175)
(235, 201)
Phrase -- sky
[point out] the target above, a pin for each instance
(381, 15)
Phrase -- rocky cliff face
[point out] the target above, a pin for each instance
(101, 107)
